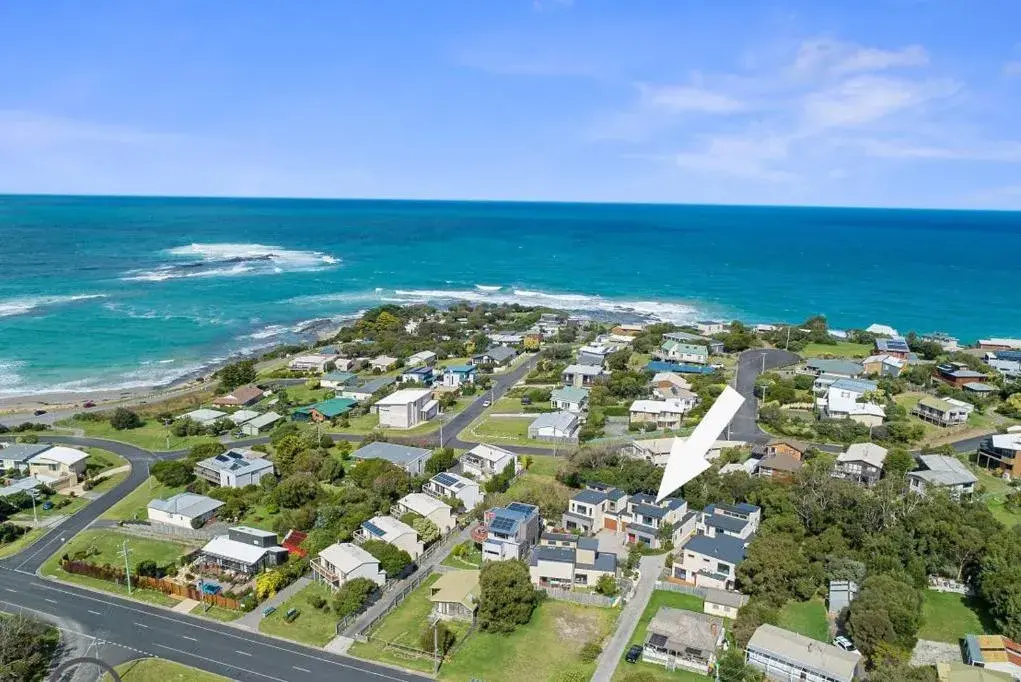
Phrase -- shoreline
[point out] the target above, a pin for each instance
(316, 330)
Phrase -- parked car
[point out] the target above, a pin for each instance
(39, 412)
(844, 643)
(89, 403)
(486, 403)
(633, 653)
(525, 400)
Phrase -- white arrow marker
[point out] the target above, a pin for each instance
(687, 456)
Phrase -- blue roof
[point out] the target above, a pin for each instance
(730, 523)
(525, 510)
(674, 503)
(857, 385)
(589, 497)
(391, 452)
(461, 369)
(643, 498)
(651, 510)
(589, 543)
(373, 528)
(605, 561)
(374, 385)
(546, 553)
(680, 367)
(722, 547)
(742, 508)
(443, 478)
(1014, 355)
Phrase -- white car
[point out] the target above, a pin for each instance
(844, 643)
(486, 403)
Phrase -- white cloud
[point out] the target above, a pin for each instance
(866, 99)
(1012, 68)
(682, 98)
(30, 130)
(747, 156)
(824, 55)
(1006, 152)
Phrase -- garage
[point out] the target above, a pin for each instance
(610, 524)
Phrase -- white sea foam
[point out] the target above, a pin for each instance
(232, 260)
(488, 287)
(20, 306)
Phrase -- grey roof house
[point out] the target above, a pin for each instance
(555, 427)
(567, 563)
(785, 655)
(686, 639)
(408, 458)
(940, 471)
(16, 455)
(862, 463)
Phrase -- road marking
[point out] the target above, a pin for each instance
(10, 590)
(189, 638)
(95, 612)
(141, 625)
(221, 663)
(50, 601)
(243, 653)
(304, 670)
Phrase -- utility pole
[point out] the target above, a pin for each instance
(125, 552)
(35, 516)
(148, 476)
(436, 647)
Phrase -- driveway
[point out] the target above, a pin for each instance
(613, 542)
(649, 570)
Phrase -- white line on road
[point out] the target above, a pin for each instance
(243, 653)
(220, 663)
(304, 670)
(52, 601)
(10, 590)
(141, 625)
(95, 612)
(192, 639)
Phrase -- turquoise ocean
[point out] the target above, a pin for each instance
(106, 292)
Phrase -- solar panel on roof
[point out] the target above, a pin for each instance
(222, 458)
(445, 479)
(657, 640)
(520, 507)
(502, 524)
(373, 528)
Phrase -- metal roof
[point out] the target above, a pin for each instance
(723, 547)
(391, 452)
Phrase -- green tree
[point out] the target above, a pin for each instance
(507, 597)
(296, 491)
(236, 374)
(898, 463)
(205, 451)
(438, 638)
(731, 667)
(607, 586)
(441, 460)
(393, 560)
(353, 596)
(27, 648)
(426, 529)
(172, 473)
(123, 418)
(1000, 581)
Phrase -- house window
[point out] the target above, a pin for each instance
(723, 568)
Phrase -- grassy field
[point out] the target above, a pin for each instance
(843, 349)
(134, 504)
(545, 465)
(216, 613)
(507, 431)
(546, 648)
(101, 460)
(158, 670)
(807, 618)
(947, 617)
(74, 504)
(104, 547)
(9, 548)
(152, 435)
(313, 626)
(474, 560)
(109, 482)
(303, 395)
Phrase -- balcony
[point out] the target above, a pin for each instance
(324, 570)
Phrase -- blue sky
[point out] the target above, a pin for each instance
(865, 103)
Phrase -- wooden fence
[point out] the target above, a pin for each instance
(116, 575)
(587, 598)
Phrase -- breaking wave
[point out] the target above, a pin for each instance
(232, 260)
(20, 306)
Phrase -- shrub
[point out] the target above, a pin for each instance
(590, 652)
(123, 418)
(439, 638)
(317, 601)
(173, 473)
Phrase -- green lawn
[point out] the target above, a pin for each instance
(807, 618)
(216, 613)
(947, 617)
(159, 670)
(545, 465)
(303, 395)
(100, 460)
(152, 435)
(659, 598)
(474, 560)
(843, 349)
(104, 547)
(134, 504)
(109, 482)
(73, 505)
(508, 431)
(403, 626)
(9, 548)
(546, 648)
(313, 626)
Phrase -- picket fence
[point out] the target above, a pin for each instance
(116, 575)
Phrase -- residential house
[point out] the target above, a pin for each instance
(1002, 451)
(391, 531)
(1010, 369)
(783, 655)
(895, 346)
(242, 396)
(243, 550)
(425, 357)
(58, 465)
(406, 409)
(862, 463)
(455, 595)
(427, 507)
(581, 376)
(647, 520)
(569, 399)
(324, 410)
(794, 449)
(184, 510)
(668, 385)
(337, 380)
(594, 354)
(844, 399)
(847, 369)
(945, 341)
(980, 388)
(630, 330)
(25, 484)
(710, 327)
(555, 427)
(779, 467)
(447, 484)
(568, 563)
(823, 382)
(496, 355)
(957, 374)
(664, 414)
(884, 365)
(406, 457)
(740, 520)
(204, 416)
(657, 450)
(999, 344)
(507, 339)
(940, 412)
(881, 330)
(241, 416)
(485, 461)
(675, 351)
(940, 471)
(316, 363)
(508, 532)
(709, 561)
(991, 653)
(232, 469)
(420, 374)
(458, 375)
(341, 562)
(841, 594)
(366, 389)
(15, 456)
(260, 424)
(676, 638)
(595, 508)
(383, 363)
(955, 671)
(722, 602)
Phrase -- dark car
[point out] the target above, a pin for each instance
(88, 403)
(633, 653)
(39, 412)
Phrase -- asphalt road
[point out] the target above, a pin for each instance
(750, 364)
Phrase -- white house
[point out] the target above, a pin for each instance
(382, 362)
(570, 399)
(844, 395)
(204, 416)
(485, 461)
(343, 561)
(425, 357)
(675, 351)
(447, 484)
(940, 471)
(665, 414)
(710, 327)
(455, 375)
(393, 532)
(881, 330)
(582, 375)
(184, 510)
(257, 425)
(406, 408)
(57, 464)
(232, 469)
(318, 363)
(428, 507)
(555, 426)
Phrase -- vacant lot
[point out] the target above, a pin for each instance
(843, 349)
(806, 617)
(312, 626)
(151, 435)
(947, 617)
(133, 506)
